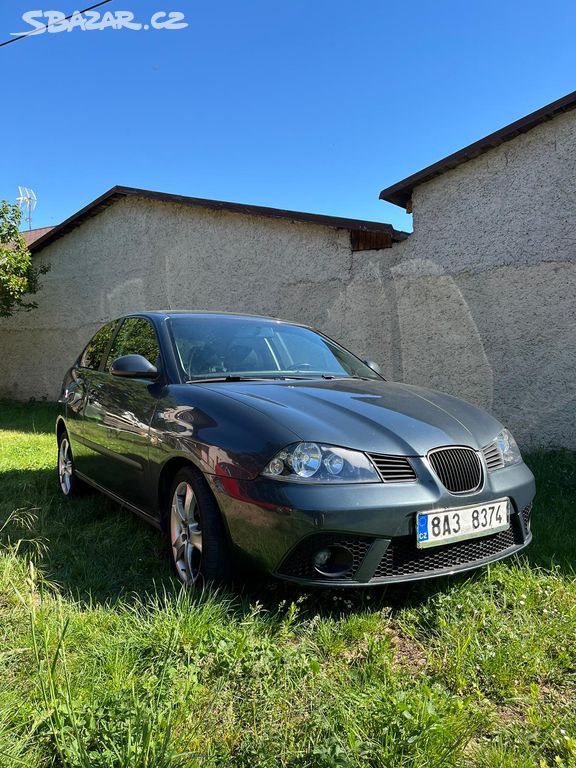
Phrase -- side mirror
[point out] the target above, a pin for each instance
(134, 367)
(375, 367)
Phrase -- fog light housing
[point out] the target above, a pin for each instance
(333, 562)
(321, 558)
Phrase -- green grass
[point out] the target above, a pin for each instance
(106, 662)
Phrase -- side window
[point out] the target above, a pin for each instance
(135, 337)
(96, 347)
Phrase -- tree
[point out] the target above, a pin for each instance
(18, 277)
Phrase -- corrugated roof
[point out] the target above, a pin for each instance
(401, 192)
(117, 193)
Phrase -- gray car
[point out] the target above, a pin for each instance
(249, 440)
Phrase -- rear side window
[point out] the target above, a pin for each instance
(135, 337)
(97, 346)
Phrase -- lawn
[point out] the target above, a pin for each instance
(106, 662)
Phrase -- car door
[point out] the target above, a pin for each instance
(118, 415)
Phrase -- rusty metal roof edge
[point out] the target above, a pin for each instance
(118, 192)
(401, 192)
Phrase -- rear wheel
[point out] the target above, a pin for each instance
(198, 543)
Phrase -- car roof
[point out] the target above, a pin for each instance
(165, 314)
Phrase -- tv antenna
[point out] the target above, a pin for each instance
(27, 201)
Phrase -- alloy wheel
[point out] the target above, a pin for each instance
(186, 533)
(65, 466)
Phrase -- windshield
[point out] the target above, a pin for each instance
(222, 347)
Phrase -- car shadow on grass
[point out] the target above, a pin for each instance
(89, 548)
(554, 532)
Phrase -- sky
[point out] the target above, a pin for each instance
(306, 105)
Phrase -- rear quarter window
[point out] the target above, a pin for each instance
(96, 347)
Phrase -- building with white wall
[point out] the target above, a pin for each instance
(132, 249)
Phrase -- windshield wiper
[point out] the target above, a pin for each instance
(234, 378)
(282, 377)
(333, 376)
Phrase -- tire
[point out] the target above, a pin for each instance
(198, 544)
(70, 485)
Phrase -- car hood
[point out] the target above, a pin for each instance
(377, 416)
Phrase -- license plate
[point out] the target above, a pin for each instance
(446, 525)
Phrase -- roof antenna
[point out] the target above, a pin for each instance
(27, 200)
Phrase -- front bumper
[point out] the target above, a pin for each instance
(281, 525)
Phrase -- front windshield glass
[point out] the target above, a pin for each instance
(219, 347)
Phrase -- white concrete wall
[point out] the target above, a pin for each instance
(486, 285)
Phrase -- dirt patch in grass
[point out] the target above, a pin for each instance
(408, 653)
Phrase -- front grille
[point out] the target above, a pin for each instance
(459, 469)
(393, 469)
(526, 515)
(403, 558)
(493, 457)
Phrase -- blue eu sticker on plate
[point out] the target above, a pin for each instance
(422, 528)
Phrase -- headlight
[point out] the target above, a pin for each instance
(508, 448)
(311, 462)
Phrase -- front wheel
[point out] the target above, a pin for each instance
(198, 542)
(69, 483)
